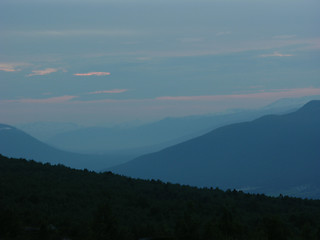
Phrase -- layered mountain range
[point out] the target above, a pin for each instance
(151, 137)
(273, 154)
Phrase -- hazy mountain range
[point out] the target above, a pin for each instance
(46, 130)
(273, 154)
(135, 140)
(154, 136)
(109, 146)
(16, 143)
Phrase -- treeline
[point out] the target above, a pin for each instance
(40, 201)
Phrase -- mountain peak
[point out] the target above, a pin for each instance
(311, 106)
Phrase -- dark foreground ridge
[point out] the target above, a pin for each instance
(41, 201)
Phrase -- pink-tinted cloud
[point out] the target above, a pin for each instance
(284, 36)
(256, 86)
(42, 72)
(108, 100)
(263, 94)
(75, 32)
(109, 91)
(276, 54)
(11, 67)
(60, 99)
(223, 33)
(46, 93)
(279, 93)
(7, 68)
(92, 74)
(270, 95)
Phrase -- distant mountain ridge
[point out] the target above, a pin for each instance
(273, 154)
(45, 130)
(150, 137)
(16, 143)
(293, 103)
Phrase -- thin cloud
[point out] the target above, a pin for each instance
(7, 68)
(256, 86)
(109, 100)
(43, 72)
(223, 33)
(265, 95)
(11, 67)
(92, 74)
(191, 40)
(46, 93)
(276, 54)
(60, 99)
(75, 33)
(109, 91)
(261, 95)
(284, 36)
(280, 93)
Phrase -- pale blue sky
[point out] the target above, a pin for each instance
(94, 62)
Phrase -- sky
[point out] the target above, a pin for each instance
(96, 62)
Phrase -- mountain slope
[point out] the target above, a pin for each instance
(272, 154)
(16, 143)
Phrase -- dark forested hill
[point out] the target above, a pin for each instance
(16, 143)
(273, 154)
(54, 202)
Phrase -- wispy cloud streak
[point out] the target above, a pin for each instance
(42, 72)
(75, 32)
(284, 36)
(223, 33)
(276, 54)
(264, 95)
(261, 95)
(92, 74)
(110, 91)
(7, 68)
(11, 67)
(60, 99)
